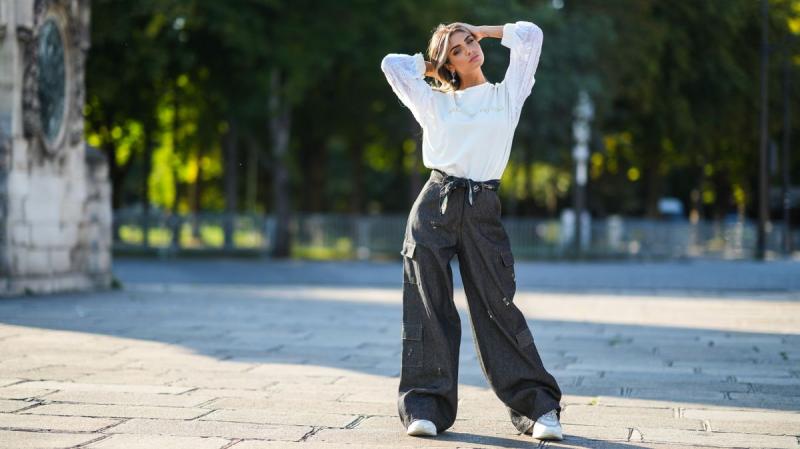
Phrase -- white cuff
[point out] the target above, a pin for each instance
(419, 62)
(510, 38)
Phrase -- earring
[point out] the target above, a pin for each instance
(453, 75)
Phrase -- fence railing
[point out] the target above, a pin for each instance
(338, 236)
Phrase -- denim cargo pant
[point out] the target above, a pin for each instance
(431, 331)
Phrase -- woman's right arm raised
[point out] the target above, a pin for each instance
(406, 75)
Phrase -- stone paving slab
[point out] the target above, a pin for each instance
(185, 365)
(122, 441)
(192, 399)
(210, 429)
(118, 411)
(9, 406)
(13, 439)
(76, 423)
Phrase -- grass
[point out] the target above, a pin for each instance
(212, 237)
(208, 236)
(341, 250)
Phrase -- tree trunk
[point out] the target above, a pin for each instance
(117, 179)
(197, 194)
(147, 164)
(279, 127)
(230, 166)
(315, 172)
(175, 221)
(651, 174)
(527, 185)
(251, 189)
(117, 174)
(357, 162)
(415, 184)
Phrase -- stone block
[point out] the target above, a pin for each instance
(210, 429)
(6, 381)
(80, 386)
(20, 234)
(10, 405)
(69, 234)
(742, 415)
(27, 262)
(19, 155)
(15, 207)
(764, 427)
(54, 423)
(17, 439)
(46, 235)
(72, 212)
(23, 17)
(23, 393)
(718, 439)
(298, 418)
(60, 261)
(257, 444)
(122, 441)
(118, 411)
(41, 209)
(76, 191)
(126, 398)
(101, 211)
(18, 184)
(285, 405)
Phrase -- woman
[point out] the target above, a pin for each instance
(468, 124)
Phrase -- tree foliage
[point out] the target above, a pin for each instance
(675, 86)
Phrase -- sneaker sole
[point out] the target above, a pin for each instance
(420, 431)
(548, 435)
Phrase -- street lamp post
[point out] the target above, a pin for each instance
(584, 111)
(789, 42)
(763, 206)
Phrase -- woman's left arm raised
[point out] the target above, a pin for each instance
(525, 41)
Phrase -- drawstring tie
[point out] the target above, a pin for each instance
(450, 183)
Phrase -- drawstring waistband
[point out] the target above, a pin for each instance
(450, 183)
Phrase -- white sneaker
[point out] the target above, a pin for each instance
(421, 428)
(547, 427)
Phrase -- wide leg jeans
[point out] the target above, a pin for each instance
(431, 328)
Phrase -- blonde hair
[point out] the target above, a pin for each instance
(437, 54)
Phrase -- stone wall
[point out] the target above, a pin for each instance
(54, 192)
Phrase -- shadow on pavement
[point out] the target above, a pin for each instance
(359, 330)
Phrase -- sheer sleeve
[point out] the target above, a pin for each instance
(406, 75)
(525, 41)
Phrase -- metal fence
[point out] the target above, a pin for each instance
(337, 236)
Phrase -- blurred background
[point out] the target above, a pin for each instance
(266, 127)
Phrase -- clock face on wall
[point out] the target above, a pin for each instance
(51, 80)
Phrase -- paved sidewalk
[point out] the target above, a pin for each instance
(613, 277)
(202, 355)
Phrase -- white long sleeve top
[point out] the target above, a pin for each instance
(468, 133)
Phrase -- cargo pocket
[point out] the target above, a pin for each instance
(409, 265)
(508, 278)
(412, 345)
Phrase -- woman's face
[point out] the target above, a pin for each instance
(464, 54)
